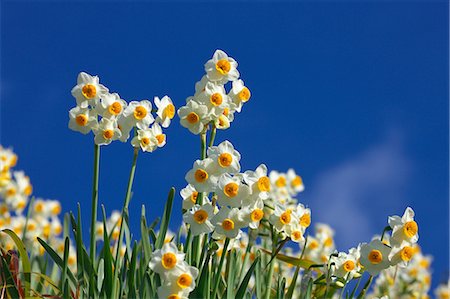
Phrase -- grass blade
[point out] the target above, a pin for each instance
(165, 220)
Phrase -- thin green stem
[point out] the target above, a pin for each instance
(92, 243)
(219, 269)
(212, 136)
(125, 205)
(366, 287)
(271, 263)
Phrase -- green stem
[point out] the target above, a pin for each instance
(125, 206)
(366, 287)
(271, 263)
(212, 136)
(94, 201)
(219, 269)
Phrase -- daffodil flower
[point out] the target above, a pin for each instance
(166, 111)
(221, 68)
(88, 90)
(199, 219)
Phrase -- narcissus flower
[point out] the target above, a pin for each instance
(166, 259)
(294, 182)
(346, 265)
(139, 114)
(193, 116)
(88, 90)
(221, 68)
(239, 94)
(199, 219)
(189, 195)
(231, 191)
(214, 98)
(283, 219)
(146, 140)
(166, 111)
(259, 182)
(375, 256)
(404, 228)
(111, 105)
(254, 213)
(228, 223)
(402, 254)
(226, 158)
(158, 133)
(201, 176)
(82, 120)
(183, 277)
(106, 131)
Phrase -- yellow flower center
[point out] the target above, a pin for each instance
(410, 229)
(226, 111)
(28, 190)
(256, 215)
(263, 184)
(140, 112)
(281, 182)
(200, 216)
(184, 280)
(223, 66)
(169, 111)
(244, 95)
(115, 108)
(89, 91)
(194, 196)
(216, 99)
(231, 189)
(11, 192)
(39, 207)
(31, 226)
(169, 260)
(406, 253)
(297, 181)
(305, 220)
(192, 118)
(71, 260)
(200, 175)
(375, 256)
(108, 134)
(296, 235)
(424, 263)
(285, 217)
(228, 224)
(56, 209)
(21, 204)
(313, 245)
(174, 296)
(161, 138)
(81, 120)
(225, 159)
(348, 266)
(328, 242)
(145, 141)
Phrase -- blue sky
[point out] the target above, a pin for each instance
(354, 96)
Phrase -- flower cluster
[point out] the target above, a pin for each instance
(245, 198)
(15, 197)
(178, 277)
(111, 118)
(401, 282)
(211, 104)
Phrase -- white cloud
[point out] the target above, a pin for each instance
(356, 196)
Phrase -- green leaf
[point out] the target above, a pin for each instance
(165, 220)
(107, 286)
(230, 272)
(290, 291)
(26, 266)
(57, 259)
(243, 287)
(131, 273)
(8, 279)
(302, 263)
